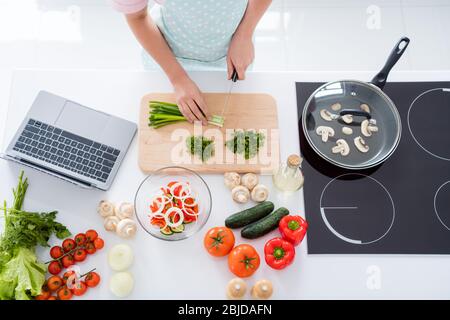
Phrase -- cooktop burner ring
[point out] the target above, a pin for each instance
(333, 229)
(436, 211)
(415, 138)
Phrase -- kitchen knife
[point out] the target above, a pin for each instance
(234, 78)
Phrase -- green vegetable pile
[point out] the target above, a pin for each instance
(200, 146)
(21, 274)
(164, 113)
(246, 142)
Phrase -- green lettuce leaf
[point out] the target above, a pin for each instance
(22, 277)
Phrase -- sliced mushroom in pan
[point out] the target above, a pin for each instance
(325, 132)
(341, 147)
(361, 144)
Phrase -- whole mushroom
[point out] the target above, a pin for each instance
(249, 180)
(126, 228)
(236, 289)
(232, 179)
(105, 208)
(260, 193)
(240, 194)
(111, 223)
(262, 289)
(124, 210)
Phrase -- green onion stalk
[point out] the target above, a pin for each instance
(164, 113)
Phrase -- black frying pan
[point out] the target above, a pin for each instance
(370, 118)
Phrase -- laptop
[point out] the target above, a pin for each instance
(70, 141)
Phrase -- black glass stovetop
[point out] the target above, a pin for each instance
(399, 207)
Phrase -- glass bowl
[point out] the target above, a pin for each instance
(151, 186)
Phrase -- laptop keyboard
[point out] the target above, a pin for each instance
(67, 150)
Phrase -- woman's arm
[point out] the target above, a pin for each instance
(241, 51)
(187, 93)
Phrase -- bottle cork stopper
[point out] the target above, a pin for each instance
(294, 160)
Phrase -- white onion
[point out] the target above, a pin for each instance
(185, 188)
(177, 212)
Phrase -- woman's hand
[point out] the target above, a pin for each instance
(240, 54)
(190, 100)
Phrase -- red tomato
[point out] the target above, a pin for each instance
(51, 298)
(243, 260)
(91, 235)
(219, 241)
(79, 289)
(56, 252)
(67, 261)
(44, 295)
(79, 255)
(54, 267)
(92, 279)
(64, 293)
(68, 245)
(67, 275)
(54, 283)
(90, 248)
(80, 239)
(99, 243)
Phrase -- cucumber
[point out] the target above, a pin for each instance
(265, 225)
(166, 231)
(243, 218)
(178, 229)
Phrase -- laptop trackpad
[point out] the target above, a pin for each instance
(82, 121)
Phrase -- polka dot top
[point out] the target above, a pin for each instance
(194, 29)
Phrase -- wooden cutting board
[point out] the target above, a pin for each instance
(166, 146)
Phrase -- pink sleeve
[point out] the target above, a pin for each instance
(129, 6)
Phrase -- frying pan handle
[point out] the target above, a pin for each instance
(380, 79)
(357, 113)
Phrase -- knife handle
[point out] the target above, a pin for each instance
(234, 76)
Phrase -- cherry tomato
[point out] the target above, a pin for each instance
(44, 295)
(99, 243)
(90, 248)
(67, 277)
(79, 255)
(54, 283)
(64, 293)
(92, 279)
(67, 261)
(80, 239)
(51, 298)
(68, 245)
(243, 260)
(91, 235)
(219, 241)
(54, 267)
(56, 252)
(79, 289)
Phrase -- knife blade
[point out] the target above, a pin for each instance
(234, 78)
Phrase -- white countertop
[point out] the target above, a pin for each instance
(183, 270)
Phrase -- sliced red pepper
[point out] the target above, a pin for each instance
(279, 253)
(293, 229)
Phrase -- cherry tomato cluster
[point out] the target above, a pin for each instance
(74, 250)
(65, 290)
(70, 252)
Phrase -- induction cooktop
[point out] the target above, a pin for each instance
(399, 207)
